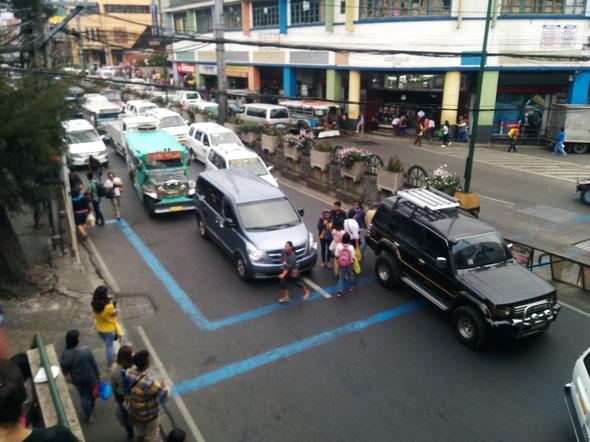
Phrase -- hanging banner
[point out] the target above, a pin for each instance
(155, 27)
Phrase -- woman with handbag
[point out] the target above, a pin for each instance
(290, 273)
(325, 235)
(107, 326)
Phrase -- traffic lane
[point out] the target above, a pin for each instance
(408, 377)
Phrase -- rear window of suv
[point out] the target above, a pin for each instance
(279, 113)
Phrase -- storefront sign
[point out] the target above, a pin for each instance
(185, 68)
(559, 36)
(522, 254)
(268, 37)
(207, 69)
(567, 39)
(550, 36)
(237, 71)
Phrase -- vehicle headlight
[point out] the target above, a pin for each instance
(191, 184)
(505, 311)
(313, 245)
(253, 253)
(552, 299)
(191, 191)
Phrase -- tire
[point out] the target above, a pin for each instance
(387, 271)
(241, 268)
(202, 227)
(149, 206)
(192, 155)
(470, 327)
(579, 148)
(585, 196)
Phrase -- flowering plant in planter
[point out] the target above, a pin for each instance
(305, 139)
(347, 156)
(445, 181)
(290, 140)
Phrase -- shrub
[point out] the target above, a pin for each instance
(347, 156)
(250, 127)
(323, 146)
(271, 132)
(395, 165)
(234, 119)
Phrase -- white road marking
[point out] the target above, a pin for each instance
(192, 426)
(106, 273)
(571, 307)
(497, 200)
(314, 286)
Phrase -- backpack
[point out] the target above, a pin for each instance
(102, 191)
(345, 258)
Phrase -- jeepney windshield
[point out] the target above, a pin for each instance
(161, 176)
(164, 163)
(83, 136)
(252, 165)
(108, 116)
(172, 121)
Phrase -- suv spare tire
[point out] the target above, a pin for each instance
(470, 327)
(387, 271)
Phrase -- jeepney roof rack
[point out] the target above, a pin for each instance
(428, 199)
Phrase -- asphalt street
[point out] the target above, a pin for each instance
(376, 365)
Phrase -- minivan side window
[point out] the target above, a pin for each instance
(212, 196)
(191, 132)
(279, 113)
(227, 210)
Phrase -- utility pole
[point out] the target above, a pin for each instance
(482, 64)
(218, 28)
(80, 48)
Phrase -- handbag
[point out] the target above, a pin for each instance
(440, 133)
(356, 266)
(95, 390)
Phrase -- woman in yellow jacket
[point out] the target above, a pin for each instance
(107, 326)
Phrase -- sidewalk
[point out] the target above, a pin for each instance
(64, 304)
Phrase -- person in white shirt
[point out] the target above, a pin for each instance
(351, 226)
(116, 185)
(345, 273)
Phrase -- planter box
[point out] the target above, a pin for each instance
(249, 137)
(355, 172)
(321, 160)
(390, 181)
(269, 143)
(292, 152)
(200, 118)
(231, 126)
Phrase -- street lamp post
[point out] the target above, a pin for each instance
(469, 161)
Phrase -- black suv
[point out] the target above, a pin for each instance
(461, 264)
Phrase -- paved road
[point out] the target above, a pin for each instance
(376, 365)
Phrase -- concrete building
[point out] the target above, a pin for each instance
(516, 87)
(120, 26)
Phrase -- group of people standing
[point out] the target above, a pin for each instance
(86, 202)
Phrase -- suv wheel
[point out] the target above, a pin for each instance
(387, 271)
(585, 195)
(241, 268)
(470, 327)
(202, 227)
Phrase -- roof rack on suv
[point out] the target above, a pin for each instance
(428, 198)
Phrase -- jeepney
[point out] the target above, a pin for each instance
(319, 116)
(157, 167)
(97, 110)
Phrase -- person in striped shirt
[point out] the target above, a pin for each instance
(146, 394)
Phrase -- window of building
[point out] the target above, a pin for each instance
(515, 7)
(265, 13)
(180, 23)
(120, 35)
(126, 9)
(204, 20)
(232, 14)
(306, 11)
(375, 9)
(343, 7)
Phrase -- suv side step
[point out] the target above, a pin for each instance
(424, 292)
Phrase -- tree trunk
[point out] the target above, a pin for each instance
(13, 262)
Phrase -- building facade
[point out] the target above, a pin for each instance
(408, 55)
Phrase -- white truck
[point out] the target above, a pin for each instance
(117, 129)
(575, 119)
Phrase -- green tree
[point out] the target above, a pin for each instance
(31, 144)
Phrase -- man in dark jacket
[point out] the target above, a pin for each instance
(80, 368)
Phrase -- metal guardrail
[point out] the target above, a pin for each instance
(55, 397)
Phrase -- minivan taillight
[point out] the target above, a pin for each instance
(268, 124)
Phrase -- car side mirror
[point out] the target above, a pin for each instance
(441, 262)
(103, 137)
(301, 212)
(270, 168)
(229, 222)
(187, 122)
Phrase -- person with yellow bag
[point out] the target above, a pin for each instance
(107, 326)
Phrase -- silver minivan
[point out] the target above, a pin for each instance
(268, 115)
(251, 220)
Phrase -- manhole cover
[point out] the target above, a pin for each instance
(583, 244)
(366, 143)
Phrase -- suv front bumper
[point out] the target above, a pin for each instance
(527, 324)
(265, 271)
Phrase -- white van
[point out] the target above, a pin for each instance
(268, 115)
(170, 122)
(238, 157)
(202, 136)
(134, 108)
(83, 140)
(97, 110)
(188, 99)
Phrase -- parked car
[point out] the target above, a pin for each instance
(577, 397)
(251, 221)
(188, 98)
(170, 122)
(459, 263)
(134, 108)
(238, 157)
(268, 115)
(201, 136)
(583, 186)
(83, 141)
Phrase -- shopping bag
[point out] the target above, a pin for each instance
(356, 266)
(91, 220)
(357, 254)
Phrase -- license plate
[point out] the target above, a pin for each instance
(176, 208)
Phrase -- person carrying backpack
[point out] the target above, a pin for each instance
(345, 257)
(93, 187)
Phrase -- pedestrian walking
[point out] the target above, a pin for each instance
(351, 226)
(445, 133)
(145, 396)
(116, 185)
(124, 362)
(337, 234)
(12, 396)
(107, 327)
(359, 214)
(430, 128)
(371, 213)
(176, 435)
(360, 126)
(345, 256)
(419, 133)
(513, 134)
(95, 167)
(395, 124)
(80, 368)
(403, 127)
(462, 130)
(325, 236)
(80, 205)
(95, 198)
(76, 183)
(559, 139)
(337, 212)
(290, 273)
